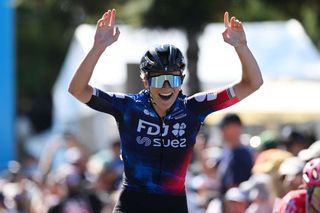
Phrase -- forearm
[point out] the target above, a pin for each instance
(251, 78)
(79, 86)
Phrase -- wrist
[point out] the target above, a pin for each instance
(242, 43)
(96, 49)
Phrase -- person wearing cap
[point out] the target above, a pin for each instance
(290, 172)
(159, 125)
(236, 161)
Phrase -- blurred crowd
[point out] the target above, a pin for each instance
(226, 174)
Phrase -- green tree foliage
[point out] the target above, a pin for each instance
(44, 29)
(42, 35)
(305, 11)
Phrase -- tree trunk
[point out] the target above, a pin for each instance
(192, 55)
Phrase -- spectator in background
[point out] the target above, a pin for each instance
(268, 162)
(77, 157)
(103, 170)
(294, 141)
(269, 140)
(117, 162)
(290, 172)
(54, 153)
(77, 197)
(258, 192)
(203, 185)
(235, 201)
(236, 161)
(104, 175)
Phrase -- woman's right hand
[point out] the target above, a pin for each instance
(106, 32)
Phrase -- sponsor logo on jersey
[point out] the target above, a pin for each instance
(151, 130)
(179, 129)
(204, 96)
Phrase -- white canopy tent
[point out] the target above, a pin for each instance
(282, 49)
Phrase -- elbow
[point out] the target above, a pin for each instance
(253, 86)
(74, 92)
(71, 90)
(258, 84)
(82, 95)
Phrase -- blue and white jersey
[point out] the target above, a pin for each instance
(157, 151)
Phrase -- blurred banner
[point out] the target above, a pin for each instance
(7, 83)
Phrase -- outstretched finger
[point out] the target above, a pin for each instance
(106, 18)
(100, 22)
(106, 14)
(233, 22)
(226, 19)
(113, 17)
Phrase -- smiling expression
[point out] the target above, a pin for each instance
(163, 98)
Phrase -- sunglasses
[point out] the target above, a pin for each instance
(158, 81)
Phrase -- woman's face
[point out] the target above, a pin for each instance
(163, 98)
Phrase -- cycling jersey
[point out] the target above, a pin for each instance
(301, 201)
(156, 151)
(295, 201)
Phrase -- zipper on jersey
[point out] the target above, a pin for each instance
(161, 149)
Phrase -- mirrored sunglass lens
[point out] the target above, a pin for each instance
(176, 81)
(158, 81)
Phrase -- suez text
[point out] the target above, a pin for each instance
(151, 129)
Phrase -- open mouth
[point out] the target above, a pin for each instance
(165, 96)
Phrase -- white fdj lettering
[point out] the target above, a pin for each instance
(151, 128)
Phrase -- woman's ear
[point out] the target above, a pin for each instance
(145, 83)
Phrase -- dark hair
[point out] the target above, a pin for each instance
(163, 58)
(230, 118)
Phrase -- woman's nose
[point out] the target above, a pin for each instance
(166, 84)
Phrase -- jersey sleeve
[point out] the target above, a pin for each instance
(110, 103)
(205, 103)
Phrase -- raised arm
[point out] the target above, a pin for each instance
(251, 78)
(106, 34)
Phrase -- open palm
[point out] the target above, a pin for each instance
(106, 32)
